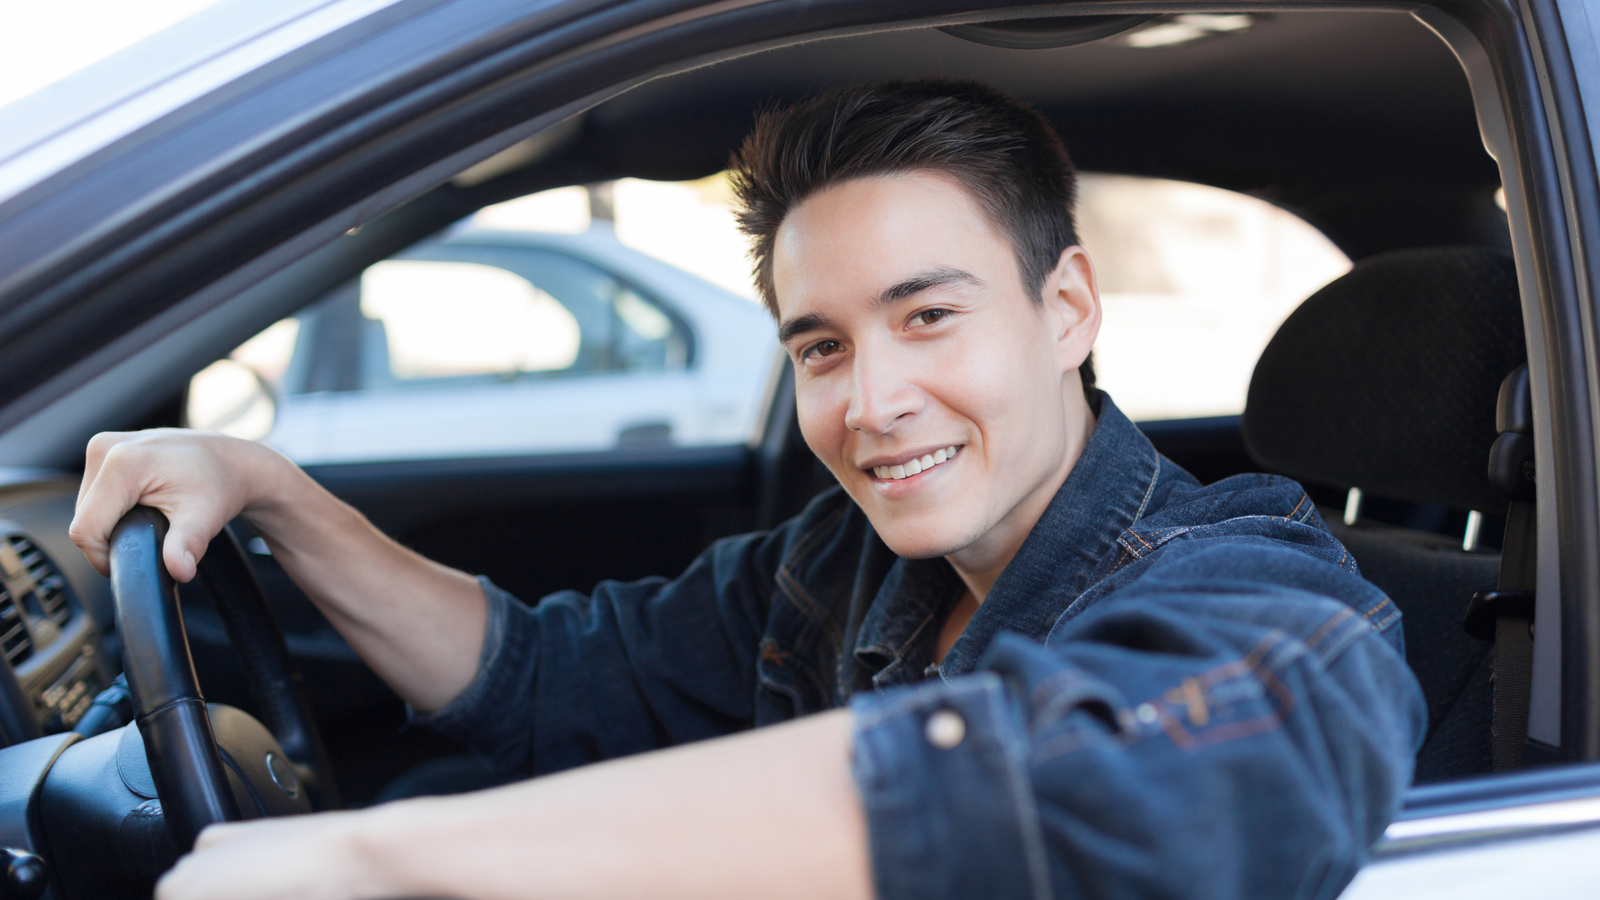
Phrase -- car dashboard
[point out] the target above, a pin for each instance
(55, 612)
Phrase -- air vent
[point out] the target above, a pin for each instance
(48, 585)
(15, 642)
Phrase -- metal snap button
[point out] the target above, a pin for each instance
(945, 729)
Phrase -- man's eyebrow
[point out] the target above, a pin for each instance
(910, 287)
(922, 281)
(801, 324)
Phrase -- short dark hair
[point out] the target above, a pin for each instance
(1001, 150)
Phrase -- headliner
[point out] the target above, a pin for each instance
(1361, 122)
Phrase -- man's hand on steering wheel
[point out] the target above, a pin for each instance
(199, 480)
(418, 624)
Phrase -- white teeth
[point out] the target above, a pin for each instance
(915, 466)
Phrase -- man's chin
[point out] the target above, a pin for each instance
(917, 543)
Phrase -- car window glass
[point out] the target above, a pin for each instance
(574, 320)
(1193, 281)
(451, 319)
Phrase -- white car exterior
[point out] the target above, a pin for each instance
(713, 396)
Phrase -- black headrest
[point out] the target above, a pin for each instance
(1387, 378)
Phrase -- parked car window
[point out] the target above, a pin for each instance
(499, 339)
(1194, 281)
(511, 311)
(431, 320)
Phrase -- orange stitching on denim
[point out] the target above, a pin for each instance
(1310, 511)
(1303, 499)
(1194, 698)
(1328, 626)
(1387, 620)
(1175, 730)
(1252, 662)
(771, 653)
(1141, 539)
(1374, 611)
(1236, 730)
(814, 610)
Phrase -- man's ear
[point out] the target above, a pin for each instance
(1072, 304)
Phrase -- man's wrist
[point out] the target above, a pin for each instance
(277, 491)
(396, 850)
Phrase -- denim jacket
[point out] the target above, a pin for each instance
(1171, 691)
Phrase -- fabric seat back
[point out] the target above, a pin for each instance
(1386, 380)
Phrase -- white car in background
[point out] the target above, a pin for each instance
(501, 343)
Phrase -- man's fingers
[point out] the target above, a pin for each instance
(101, 505)
(94, 455)
(188, 536)
(129, 472)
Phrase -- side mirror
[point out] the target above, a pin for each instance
(231, 397)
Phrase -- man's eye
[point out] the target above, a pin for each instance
(822, 348)
(931, 316)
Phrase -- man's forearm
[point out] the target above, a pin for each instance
(771, 814)
(418, 624)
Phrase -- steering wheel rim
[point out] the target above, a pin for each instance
(169, 709)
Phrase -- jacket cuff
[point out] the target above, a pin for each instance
(942, 772)
(468, 712)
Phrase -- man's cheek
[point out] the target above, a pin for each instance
(822, 425)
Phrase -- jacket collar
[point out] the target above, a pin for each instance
(1106, 492)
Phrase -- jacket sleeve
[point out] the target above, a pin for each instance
(1235, 719)
(629, 667)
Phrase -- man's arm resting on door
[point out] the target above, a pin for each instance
(771, 813)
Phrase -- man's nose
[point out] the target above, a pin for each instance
(880, 395)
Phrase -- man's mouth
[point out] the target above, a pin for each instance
(915, 465)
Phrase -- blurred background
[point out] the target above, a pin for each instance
(1194, 279)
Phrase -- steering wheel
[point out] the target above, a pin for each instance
(179, 743)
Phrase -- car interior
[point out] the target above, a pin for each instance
(1379, 393)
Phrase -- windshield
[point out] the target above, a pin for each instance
(42, 43)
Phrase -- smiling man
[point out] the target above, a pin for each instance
(1028, 656)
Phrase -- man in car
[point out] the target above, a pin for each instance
(1016, 653)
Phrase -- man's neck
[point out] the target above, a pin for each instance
(980, 563)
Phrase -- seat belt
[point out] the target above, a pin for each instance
(1506, 615)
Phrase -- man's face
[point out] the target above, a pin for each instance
(916, 346)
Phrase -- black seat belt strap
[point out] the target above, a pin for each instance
(1507, 615)
(1513, 637)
